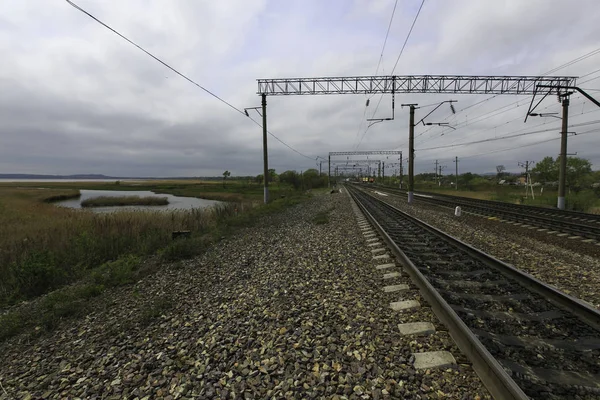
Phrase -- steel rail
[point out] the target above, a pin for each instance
(567, 214)
(487, 367)
(513, 212)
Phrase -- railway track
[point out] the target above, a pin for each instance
(525, 338)
(574, 225)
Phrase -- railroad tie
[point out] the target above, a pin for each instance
(385, 266)
(433, 359)
(395, 288)
(392, 275)
(405, 305)
(416, 328)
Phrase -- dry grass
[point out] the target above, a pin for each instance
(43, 247)
(106, 201)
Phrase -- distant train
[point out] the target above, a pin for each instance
(367, 179)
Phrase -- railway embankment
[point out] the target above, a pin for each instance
(293, 307)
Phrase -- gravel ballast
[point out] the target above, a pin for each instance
(570, 265)
(286, 309)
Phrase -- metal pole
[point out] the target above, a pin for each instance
(383, 171)
(400, 171)
(329, 173)
(436, 170)
(456, 175)
(265, 153)
(320, 163)
(411, 154)
(562, 177)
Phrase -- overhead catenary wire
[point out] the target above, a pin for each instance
(395, 65)
(508, 136)
(362, 120)
(528, 144)
(567, 64)
(184, 76)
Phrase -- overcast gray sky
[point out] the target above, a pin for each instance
(76, 98)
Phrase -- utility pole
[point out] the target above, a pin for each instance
(265, 153)
(383, 171)
(329, 173)
(400, 187)
(456, 174)
(526, 165)
(379, 171)
(440, 176)
(562, 176)
(411, 153)
(436, 171)
(320, 164)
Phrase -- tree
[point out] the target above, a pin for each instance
(500, 171)
(225, 175)
(578, 170)
(272, 175)
(546, 170)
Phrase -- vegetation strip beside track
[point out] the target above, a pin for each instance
(532, 337)
(577, 225)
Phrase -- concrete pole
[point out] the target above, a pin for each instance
(411, 154)
(562, 176)
(329, 173)
(456, 174)
(436, 170)
(400, 172)
(320, 164)
(265, 153)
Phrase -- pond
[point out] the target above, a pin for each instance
(175, 202)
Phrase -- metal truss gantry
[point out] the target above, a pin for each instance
(451, 84)
(367, 153)
(421, 84)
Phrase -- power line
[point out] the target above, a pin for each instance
(376, 71)
(396, 64)
(508, 137)
(407, 37)
(567, 64)
(386, 37)
(528, 145)
(182, 75)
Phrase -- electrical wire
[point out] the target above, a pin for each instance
(567, 64)
(376, 71)
(396, 64)
(407, 37)
(527, 145)
(386, 37)
(508, 137)
(183, 76)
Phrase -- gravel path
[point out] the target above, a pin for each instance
(286, 309)
(570, 265)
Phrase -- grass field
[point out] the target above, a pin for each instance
(44, 247)
(105, 201)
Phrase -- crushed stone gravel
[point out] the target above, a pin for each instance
(285, 309)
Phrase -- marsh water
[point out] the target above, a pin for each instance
(175, 202)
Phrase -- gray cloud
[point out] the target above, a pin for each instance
(76, 98)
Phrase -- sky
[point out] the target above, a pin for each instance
(77, 98)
